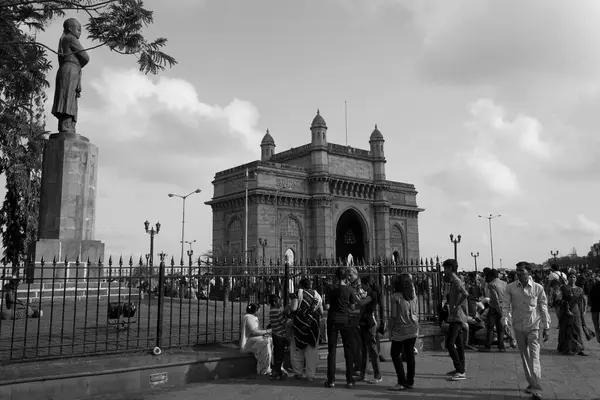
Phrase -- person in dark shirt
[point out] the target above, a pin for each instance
(594, 300)
(370, 299)
(342, 299)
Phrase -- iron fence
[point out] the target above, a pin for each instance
(72, 309)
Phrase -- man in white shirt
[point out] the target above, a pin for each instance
(527, 302)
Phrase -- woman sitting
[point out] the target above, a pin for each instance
(256, 341)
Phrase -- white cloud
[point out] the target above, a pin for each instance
(508, 42)
(497, 175)
(128, 93)
(580, 226)
(492, 124)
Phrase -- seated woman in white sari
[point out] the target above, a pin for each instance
(256, 341)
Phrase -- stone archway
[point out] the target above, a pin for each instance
(290, 256)
(350, 237)
(235, 238)
(398, 244)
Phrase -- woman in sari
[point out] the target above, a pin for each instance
(404, 330)
(571, 320)
(256, 341)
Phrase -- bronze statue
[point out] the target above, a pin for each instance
(71, 59)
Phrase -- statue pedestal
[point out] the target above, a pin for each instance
(67, 202)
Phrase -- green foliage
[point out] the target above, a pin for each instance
(24, 65)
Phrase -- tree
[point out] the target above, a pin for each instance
(24, 65)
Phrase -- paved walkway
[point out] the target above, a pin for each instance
(490, 376)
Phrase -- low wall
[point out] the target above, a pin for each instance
(81, 378)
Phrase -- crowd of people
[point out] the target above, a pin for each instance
(499, 308)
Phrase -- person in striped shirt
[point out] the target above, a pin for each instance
(277, 319)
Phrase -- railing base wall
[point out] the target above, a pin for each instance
(82, 378)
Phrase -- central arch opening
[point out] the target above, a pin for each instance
(350, 237)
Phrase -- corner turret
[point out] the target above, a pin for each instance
(318, 129)
(267, 147)
(376, 141)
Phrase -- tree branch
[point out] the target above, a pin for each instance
(54, 51)
(71, 3)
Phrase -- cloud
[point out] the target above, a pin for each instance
(508, 43)
(497, 175)
(581, 226)
(491, 123)
(159, 130)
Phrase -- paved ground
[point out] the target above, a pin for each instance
(490, 376)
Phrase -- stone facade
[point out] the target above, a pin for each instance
(319, 200)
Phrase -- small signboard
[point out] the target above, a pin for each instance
(159, 378)
(322, 356)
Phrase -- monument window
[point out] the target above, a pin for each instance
(291, 228)
(235, 230)
(349, 237)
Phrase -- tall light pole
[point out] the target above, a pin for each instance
(456, 242)
(490, 218)
(475, 255)
(183, 218)
(151, 232)
(554, 254)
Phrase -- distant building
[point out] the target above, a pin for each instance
(319, 200)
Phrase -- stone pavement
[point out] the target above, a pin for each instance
(490, 376)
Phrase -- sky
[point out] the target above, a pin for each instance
(487, 107)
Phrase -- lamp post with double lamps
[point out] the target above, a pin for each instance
(456, 242)
(151, 232)
(554, 254)
(190, 253)
(183, 218)
(490, 218)
(475, 255)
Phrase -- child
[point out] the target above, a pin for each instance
(277, 317)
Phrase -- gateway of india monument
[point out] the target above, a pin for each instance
(317, 201)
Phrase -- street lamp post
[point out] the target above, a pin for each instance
(190, 253)
(183, 219)
(456, 242)
(475, 255)
(554, 254)
(263, 244)
(490, 218)
(151, 232)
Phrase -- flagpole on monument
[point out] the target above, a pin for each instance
(246, 230)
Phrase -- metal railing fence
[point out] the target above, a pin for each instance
(64, 309)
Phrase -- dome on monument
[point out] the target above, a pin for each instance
(318, 121)
(376, 135)
(267, 139)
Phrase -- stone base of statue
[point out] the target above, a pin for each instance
(67, 205)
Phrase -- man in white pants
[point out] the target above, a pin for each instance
(526, 301)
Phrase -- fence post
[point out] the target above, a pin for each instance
(382, 294)
(161, 296)
(286, 283)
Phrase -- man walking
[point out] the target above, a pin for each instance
(457, 296)
(527, 302)
(594, 300)
(496, 290)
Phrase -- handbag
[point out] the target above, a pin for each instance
(589, 334)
